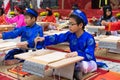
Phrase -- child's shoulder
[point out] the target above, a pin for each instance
(87, 34)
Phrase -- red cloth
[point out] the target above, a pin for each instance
(113, 26)
(6, 77)
(2, 20)
(49, 19)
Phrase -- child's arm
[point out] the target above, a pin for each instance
(11, 34)
(11, 20)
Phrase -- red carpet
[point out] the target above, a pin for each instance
(6, 77)
(103, 75)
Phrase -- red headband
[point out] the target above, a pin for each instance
(18, 9)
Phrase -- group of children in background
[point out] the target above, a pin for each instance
(81, 42)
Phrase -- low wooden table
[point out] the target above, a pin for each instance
(95, 29)
(63, 67)
(7, 45)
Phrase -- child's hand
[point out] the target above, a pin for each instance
(22, 45)
(73, 54)
(104, 23)
(37, 39)
(94, 19)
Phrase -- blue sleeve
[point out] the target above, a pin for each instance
(55, 39)
(12, 34)
(31, 43)
(88, 53)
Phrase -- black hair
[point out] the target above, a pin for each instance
(22, 8)
(2, 11)
(78, 20)
(75, 6)
(49, 12)
(31, 15)
(105, 8)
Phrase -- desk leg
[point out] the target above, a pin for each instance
(66, 71)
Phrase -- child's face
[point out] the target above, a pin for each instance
(29, 21)
(73, 27)
(16, 12)
(108, 13)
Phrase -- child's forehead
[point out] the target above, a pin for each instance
(72, 20)
(27, 16)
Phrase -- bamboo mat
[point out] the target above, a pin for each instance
(104, 54)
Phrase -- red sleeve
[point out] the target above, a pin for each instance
(113, 26)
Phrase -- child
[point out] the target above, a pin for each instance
(81, 42)
(19, 17)
(107, 16)
(50, 18)
(27, 33)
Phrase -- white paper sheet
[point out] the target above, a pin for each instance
(55, 56)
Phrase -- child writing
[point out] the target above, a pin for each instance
(81, 42)
(19, 17)
(27, 33)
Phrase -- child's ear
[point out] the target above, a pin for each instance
(81, 25)
(33, 18)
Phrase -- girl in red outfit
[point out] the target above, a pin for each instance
(50, 17)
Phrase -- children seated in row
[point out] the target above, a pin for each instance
(27, 33)
(81, 43)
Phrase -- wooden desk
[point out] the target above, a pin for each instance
(52, 32)
(6, 45)
(4, 28)
(62, 66)
(110, 42)
(95, 29)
